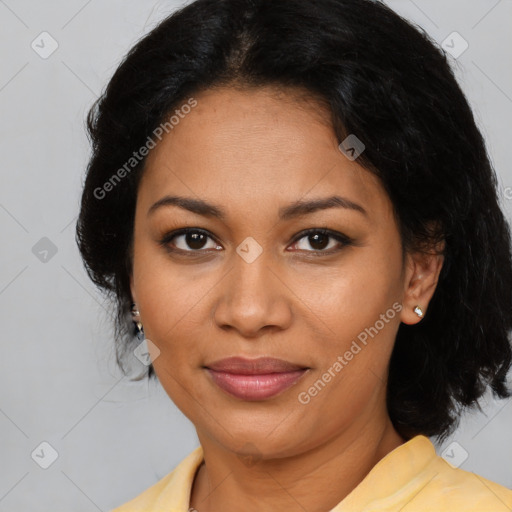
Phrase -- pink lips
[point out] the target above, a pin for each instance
(254, 379)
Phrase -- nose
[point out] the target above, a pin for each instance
(252, 299)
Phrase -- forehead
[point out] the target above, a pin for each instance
(254, 148)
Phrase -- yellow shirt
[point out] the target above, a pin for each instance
(411, 478)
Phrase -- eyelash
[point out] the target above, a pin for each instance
(339, 237)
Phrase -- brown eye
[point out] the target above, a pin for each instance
(189, 240)
(318, 240)
(195, 240)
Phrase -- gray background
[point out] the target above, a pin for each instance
(58, 379)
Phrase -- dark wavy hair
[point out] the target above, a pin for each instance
(382, 79)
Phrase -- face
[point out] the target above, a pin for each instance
(291, 252)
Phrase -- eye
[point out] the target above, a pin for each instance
(195, 240)
(189, 240)
(321, 241)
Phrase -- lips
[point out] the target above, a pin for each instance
(254, 379)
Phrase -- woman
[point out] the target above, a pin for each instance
(293, 203)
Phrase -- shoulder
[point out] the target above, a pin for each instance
(454, 489)
(170, 493)
(413, 478)
(443, 487)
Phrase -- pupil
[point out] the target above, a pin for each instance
(195, 240)
(318, 239)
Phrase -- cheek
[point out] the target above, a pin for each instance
(173, 319)
(166, 292)
(357, 307)
(353, 296)
(167, 302)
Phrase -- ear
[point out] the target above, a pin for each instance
(421, 277)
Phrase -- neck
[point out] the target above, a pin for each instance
(315, 480)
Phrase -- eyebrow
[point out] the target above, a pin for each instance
(295, 209)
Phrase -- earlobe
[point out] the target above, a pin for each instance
(420, 284)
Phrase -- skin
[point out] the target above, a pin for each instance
(252, 152)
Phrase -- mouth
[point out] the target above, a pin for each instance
(255, 379)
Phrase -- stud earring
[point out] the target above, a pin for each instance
(418, 311)
(136, 320)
